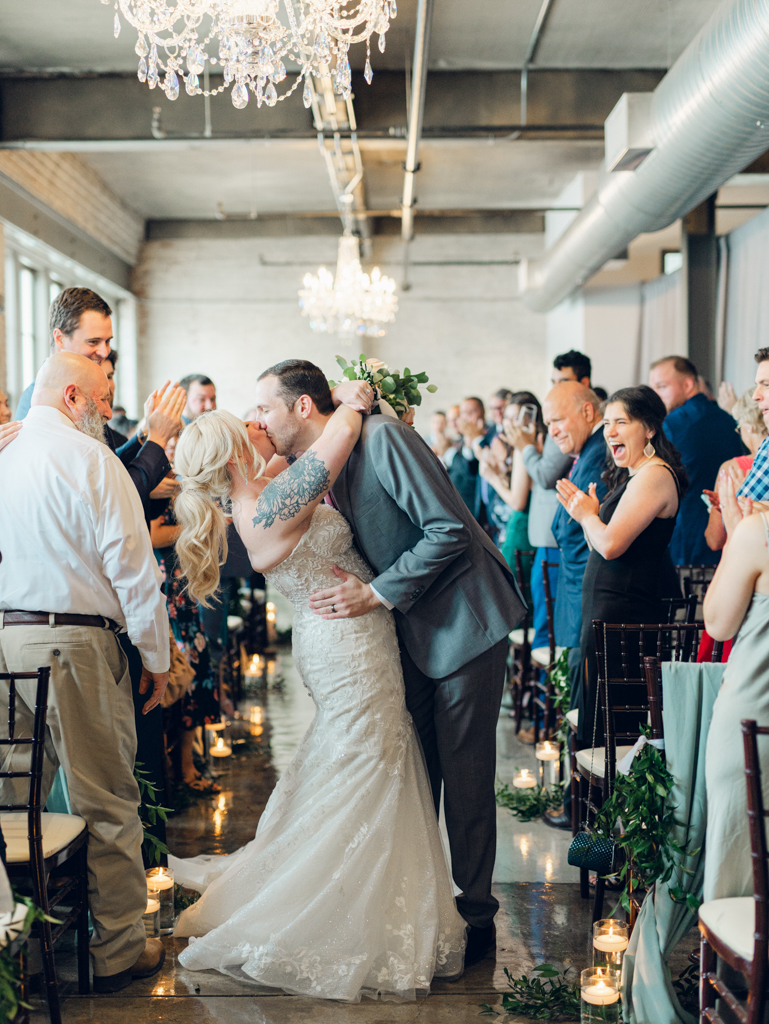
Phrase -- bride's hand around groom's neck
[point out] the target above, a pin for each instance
(358, 394)
(349, 600)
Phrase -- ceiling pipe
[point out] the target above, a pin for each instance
(416, 117)
(709, 120)
(530, 54)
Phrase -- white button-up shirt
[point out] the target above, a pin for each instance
(72, 534)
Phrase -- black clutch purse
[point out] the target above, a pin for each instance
(596, 853)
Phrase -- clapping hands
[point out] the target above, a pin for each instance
(579, 505)
(163, 413)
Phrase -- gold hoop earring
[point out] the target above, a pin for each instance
(649, 450)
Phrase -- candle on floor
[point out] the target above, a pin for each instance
(524, 780)
(272, 630)
(160, 887)
(253, 672)
(610, 940)
(599, 987)
(151, 917)
(220, 749)
(255, 715)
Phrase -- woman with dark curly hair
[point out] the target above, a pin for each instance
(629, 569)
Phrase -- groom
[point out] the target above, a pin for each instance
(454, 598)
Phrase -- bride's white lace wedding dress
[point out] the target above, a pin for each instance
(345, 891)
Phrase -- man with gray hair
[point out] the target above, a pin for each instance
(77, 568)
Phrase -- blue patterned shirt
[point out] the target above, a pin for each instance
(756, 484)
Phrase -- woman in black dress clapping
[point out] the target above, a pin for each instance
(629, 569)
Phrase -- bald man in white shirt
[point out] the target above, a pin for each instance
(77, 568)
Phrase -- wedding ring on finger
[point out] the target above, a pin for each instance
(333, 609)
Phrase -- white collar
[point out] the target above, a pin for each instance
(47, 412)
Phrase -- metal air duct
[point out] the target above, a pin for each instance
(709, 119)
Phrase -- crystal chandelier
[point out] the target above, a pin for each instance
(352, 305)
(177, 39)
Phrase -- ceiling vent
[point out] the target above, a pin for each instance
(627, 132)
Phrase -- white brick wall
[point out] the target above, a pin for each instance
(229, 309)
(69, 186)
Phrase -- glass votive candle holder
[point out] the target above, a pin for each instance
(599, 990)
(160, 887)
(219, 750)
(524, 779)
(151, 916)
(548, 750)
(610, 940)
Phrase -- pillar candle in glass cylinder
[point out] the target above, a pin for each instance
(220, 749)
(160, 887)
(610, 940)
(151, 916)
(599, 988)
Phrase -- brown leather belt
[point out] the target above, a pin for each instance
(57, 619)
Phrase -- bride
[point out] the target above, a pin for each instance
(345, 890)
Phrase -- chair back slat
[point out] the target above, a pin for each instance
(36, 742)
(549, 606)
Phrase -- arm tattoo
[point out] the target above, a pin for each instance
(292, 490)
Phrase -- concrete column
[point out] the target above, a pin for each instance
(3, 371)
(699, 286)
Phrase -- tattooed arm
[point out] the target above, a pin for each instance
(292, 496)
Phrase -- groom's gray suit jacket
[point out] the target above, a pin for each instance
(453, 592)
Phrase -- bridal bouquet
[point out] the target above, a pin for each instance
(399, 391)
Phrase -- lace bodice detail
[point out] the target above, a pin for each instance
(309, 568)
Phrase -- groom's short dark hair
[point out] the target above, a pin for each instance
(297, 377)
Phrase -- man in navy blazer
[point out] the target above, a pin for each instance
(705, 436)
(574, 422)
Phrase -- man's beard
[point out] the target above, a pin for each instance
(91, 422)
(287, 442)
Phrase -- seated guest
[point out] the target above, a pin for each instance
(736, 605)
(200, 706)
(704, 435)
(461, 462)
(752, 430)
(77, 567)
(79, 321)
(5, 409)
(629, 567)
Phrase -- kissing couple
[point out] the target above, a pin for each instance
(402, 612)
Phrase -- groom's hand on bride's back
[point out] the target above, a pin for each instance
(356, 393)
(349, 600)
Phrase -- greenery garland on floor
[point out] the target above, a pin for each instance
(529, 804)
(640, 819)
(552, 995)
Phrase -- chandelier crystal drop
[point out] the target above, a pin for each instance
(251, 41)
(353, 304)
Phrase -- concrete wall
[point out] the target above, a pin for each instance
(229, 308)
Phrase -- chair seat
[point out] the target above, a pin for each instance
(58, 832)
(516, 637)
(572, 717)
(732, 920)
(234, 623)
(541, 655)
(584, 758)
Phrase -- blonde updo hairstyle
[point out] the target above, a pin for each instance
(204, 449)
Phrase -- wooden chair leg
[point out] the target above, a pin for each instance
(83, 960)
(707, 967)
(23, 1014)
(574, 783)
(49, 971)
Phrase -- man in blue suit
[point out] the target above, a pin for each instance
(574, 422)
(705, 436)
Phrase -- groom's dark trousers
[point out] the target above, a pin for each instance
(455, 601)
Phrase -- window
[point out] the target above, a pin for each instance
(34, 275)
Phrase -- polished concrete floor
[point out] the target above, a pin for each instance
(542, 918)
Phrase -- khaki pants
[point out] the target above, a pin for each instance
(91, 734)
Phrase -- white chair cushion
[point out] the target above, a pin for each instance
(516, 637)
(541, 655)
(58, 831)
(598, 758)
(572, 717)
(234, 623)
(733, 921)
